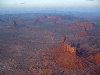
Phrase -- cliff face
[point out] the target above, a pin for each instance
(69, 48)
(66, 57)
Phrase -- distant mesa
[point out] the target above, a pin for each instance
(81, 25)
(53, 17)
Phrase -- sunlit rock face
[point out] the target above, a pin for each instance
(69, 48)
(66, 57)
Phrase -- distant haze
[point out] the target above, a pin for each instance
(29, 6)
(48, 3)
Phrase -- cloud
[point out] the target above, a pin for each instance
(22, 3)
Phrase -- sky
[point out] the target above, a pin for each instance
(48, 3)
(28, 6)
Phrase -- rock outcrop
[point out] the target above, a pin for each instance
(66, 56)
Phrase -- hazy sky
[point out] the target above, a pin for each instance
(48, 3)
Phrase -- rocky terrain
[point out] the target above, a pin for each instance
(49, 44)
